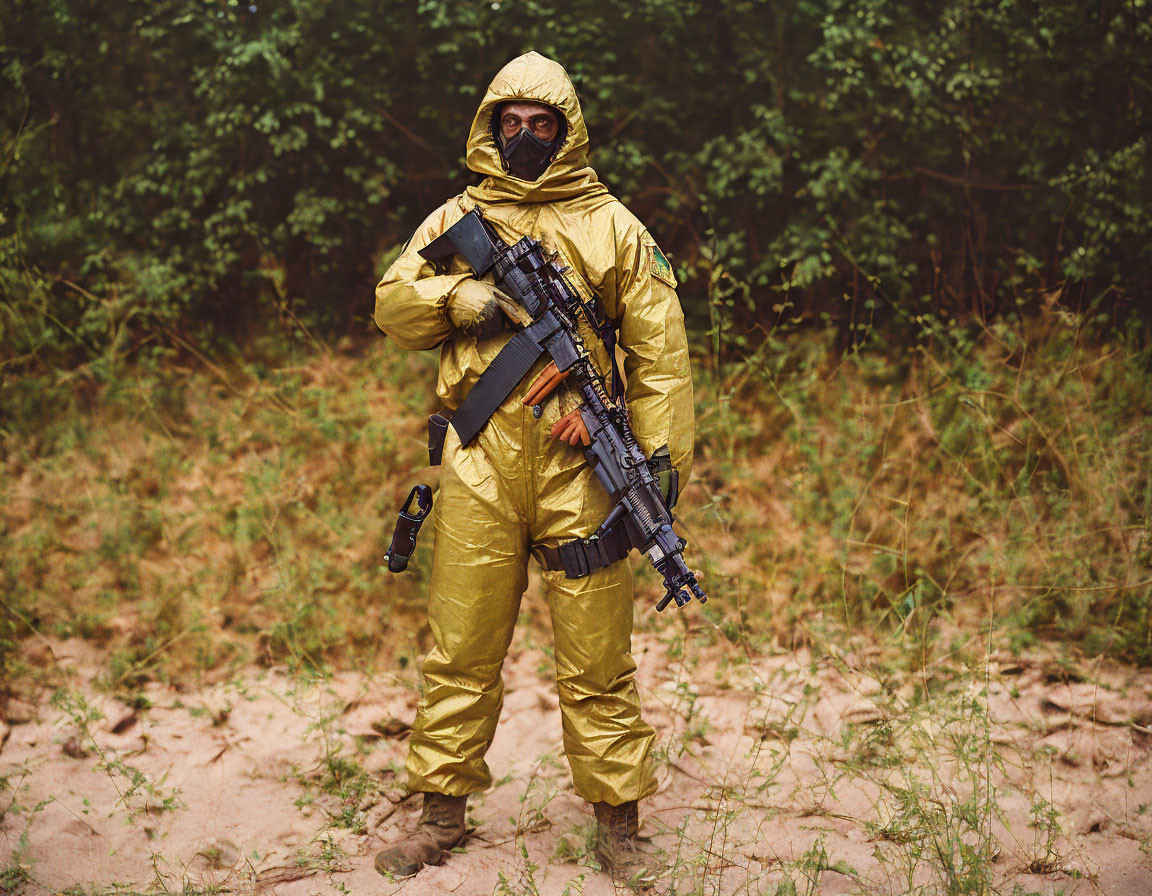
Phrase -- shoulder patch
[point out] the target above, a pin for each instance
(661, 267)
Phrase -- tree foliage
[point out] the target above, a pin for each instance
(179, 161)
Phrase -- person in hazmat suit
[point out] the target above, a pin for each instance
(522, 486)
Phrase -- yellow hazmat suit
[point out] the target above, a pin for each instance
(513, 488)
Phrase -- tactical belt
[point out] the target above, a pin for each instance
(584, 556)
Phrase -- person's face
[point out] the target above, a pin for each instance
(540, 120)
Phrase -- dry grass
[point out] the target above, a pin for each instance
(203, 520)
(991, 479)
(196, 520)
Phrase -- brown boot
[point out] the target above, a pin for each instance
(440, 828)
(618, 850)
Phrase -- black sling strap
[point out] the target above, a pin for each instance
(501, 376)
(607, 333)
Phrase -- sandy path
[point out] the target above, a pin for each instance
(828, 774)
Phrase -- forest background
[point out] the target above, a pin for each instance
(913, 247)
(958, 193)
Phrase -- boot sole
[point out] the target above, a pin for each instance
(405, 871)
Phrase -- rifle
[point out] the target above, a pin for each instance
(537, 282)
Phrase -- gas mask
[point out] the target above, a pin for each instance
(526, 155)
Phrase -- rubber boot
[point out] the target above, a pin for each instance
(618, 850)
(440, 828)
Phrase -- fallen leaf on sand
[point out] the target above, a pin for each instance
(392, 728)
(862, 712)
(273, 877)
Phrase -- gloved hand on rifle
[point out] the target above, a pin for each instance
(481, 310)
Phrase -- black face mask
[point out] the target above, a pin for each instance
(527, 155)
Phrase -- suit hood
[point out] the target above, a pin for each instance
(537, 78)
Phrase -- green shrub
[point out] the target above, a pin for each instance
(179, 162)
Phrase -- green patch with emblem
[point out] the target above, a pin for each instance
(661, 267)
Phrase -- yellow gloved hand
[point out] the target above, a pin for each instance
(479, 309)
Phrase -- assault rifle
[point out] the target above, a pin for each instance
(538, 284)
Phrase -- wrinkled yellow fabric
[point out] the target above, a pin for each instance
(513, 488)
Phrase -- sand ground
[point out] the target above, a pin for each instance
(778, 774)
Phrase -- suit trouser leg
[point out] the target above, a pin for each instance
(513, 485)
(478, 577)
(609, 745)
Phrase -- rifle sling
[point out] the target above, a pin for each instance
(501, 376)
(607, 333)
